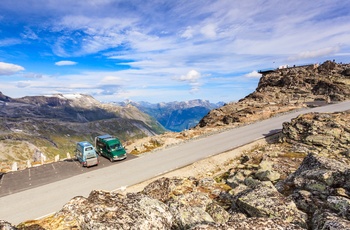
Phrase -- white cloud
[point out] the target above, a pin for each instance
(23, 84)
(191, 76)
(9, 42)
(63, 63)
(29, 34)
(195, 86)
(32, 75)
(91, 34)
(112, 80)
(315, 53)
(253, 74)
(9, 69)
(209, 31)
(188, 33)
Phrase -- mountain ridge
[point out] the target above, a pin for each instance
(176, 116)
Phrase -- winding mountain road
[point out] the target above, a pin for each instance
(39, 201)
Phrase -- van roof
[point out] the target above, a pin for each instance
(109, 139)
(112, 140)
(105, 136)
(84, 143)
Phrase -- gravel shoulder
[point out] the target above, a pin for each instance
(209, 167)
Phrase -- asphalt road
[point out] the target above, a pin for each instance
(42, 200)
(29, 178)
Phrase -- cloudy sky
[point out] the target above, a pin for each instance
(162, 50)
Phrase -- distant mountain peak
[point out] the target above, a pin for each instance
(71, 96)
(4, 97)
(177, 115)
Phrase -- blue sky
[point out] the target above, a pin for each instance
(162, 50)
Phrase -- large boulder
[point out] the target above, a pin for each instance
(260, 223)
(328, 220)
(165, 189)
(192, 201)
(326, 133)
(319, 175)
(263, 200)
(320, 184)
(256, 223)
(190, 209)
(4, 225)
(107, 210)
(266, 172)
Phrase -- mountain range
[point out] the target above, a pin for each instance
(176, 116)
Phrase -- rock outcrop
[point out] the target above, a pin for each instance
(320, 188)
(282, 90)
(326, 134)
(170, 203)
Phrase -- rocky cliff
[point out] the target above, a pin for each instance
(299, 181)
(282, 90)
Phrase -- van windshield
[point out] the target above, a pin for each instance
(116, 147)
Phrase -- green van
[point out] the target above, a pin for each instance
(110, 147)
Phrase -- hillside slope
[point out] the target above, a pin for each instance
(53, 124)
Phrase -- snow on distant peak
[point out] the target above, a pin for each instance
(72, 96)
(77, 99)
